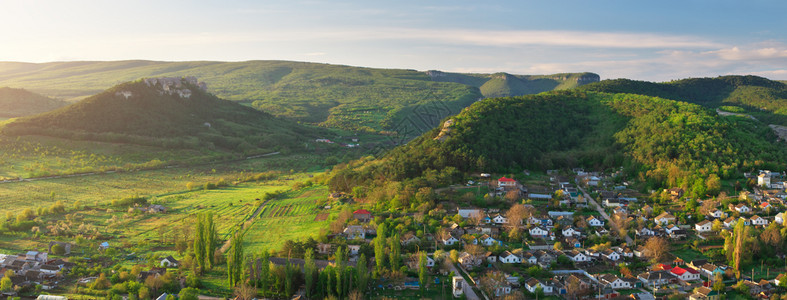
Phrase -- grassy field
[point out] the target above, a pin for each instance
(290, 218)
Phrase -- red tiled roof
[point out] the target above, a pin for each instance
(678, 271)
(362, 212)
(504, 179)
(665, 267)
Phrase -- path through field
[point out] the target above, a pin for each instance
(226, 245)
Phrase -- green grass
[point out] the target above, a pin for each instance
(688, 254)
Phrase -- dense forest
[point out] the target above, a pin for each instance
(505, 85)
(662, 142)
(762, 98)
(20, 102)
(151, 117)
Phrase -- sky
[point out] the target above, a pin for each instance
(645, 40)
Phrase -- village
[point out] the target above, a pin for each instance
(566, 234)
(579, 235)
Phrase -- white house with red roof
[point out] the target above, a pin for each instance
(362, 215)
(686, 274)
(765, 205)
(506, 182)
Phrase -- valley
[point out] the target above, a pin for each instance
(553, 195)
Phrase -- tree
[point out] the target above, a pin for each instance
(144, 293)
(204, 242)
(6, 284)
(235, 259)
(718, 282)
(396, 252)
(341, 253)
(657, 247)
(454, 255)
(363, 273)
(512, 196)
(191, 294)
(515, 215)
(379, 247)
(422, 271)
(101, 282)
(309, 273)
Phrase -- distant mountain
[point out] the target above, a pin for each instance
(764, 99)
(169, 112)
(20, 102)
(505, 85)
(406, 102)
(661, 142)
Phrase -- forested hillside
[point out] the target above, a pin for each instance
(20, 102)
(186, 117)
(406, 102)
(764, 99)
(662, 142)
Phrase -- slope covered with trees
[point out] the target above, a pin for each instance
(762, 98)
(662, 142)
(504, 84)
(20, 102)
(138, 113)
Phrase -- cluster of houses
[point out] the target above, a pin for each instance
(485, 226)
(34, 268)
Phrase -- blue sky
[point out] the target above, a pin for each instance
(647, 40)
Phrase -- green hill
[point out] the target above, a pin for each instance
(764, 99)
(407, 102)
(20, 102)
(663, 142)
(504, 84)
(175, 113)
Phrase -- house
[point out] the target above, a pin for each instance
(570, 231)
(545, 259)
(355, 232)
(742, 208)
(718, 214)
(765, 205)
(539, 232)
(468, 260)
(730, 222)
(646, 210)
(324, 248)
(533, 284)
(529, 258)
(450, 240)
(500, 219)
(509, 258)
(595, 222)
(656, 278)
(710, 270)
(676, 192)
(506, 182)
(577, 256)
(354, 249)
(409, 238)
(664, 218)
(764, 179)
(458, 284)
(573, 242)
(704, 226)
(469, 212)
(671, 228)
(745, 221)
(779, 218)
(611, 255)
(169, 262)
(49, 269)
(487, 240)
(645, 232)
(614, 282)
(704, 293)
(758, 221)
(687, 274)
(103, 246)
(362, 215)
